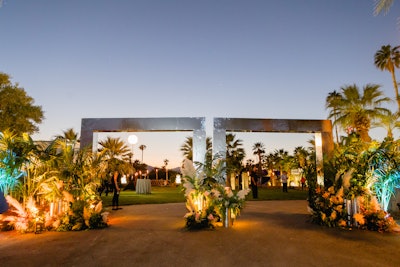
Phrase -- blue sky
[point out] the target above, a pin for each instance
(186, 58)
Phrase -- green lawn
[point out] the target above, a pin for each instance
(160, 195)
(275, 193)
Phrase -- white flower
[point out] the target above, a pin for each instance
(188, 169)
(188, 188)
(242, 193)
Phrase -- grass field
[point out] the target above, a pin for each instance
(160, 195)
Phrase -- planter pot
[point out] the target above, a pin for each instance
(227, 218)
(352, 208)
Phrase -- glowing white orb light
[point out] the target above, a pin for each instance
(132, 139)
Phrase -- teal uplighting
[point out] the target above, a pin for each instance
(385, 184)
(9, 175)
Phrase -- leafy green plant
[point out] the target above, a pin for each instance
(207, 201)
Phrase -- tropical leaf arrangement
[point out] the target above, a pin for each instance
(53, 186)
(207, 202)
(360, 194)
(75, 215)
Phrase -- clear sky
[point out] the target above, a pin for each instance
(186, 58)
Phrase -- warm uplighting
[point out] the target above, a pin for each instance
(178, 179)
(123, 179)
(318, 139)
(199, 202)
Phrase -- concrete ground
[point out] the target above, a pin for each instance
(268, 233)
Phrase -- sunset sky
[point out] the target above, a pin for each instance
(187, 58)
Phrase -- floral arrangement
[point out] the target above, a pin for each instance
(372, 217)
(207, 202)
(363, 178)
(330, 209)
(75, 215)
(224, 198)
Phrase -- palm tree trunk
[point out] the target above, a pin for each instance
(396, 89)
(364, 135)
(336, 130)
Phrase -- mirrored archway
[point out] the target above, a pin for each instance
(322, 130)
(90, 128)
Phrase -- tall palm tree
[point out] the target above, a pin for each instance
(166, 161)
(234, 153)
(358, 109)
(388, 58)
(142, 147)
(332, 102)
(259, 150)
(382, 5)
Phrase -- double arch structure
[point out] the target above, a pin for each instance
(322, 129)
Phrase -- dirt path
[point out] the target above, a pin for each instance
(268, 233)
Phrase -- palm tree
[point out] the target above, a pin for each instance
(382, 5)
(332, 102)
(300, 155)
(389, 121)
(234, 154)
(358, 110)
(249, 164)
(15, 151)
(388, 58)
(142, 147)
(269, 162)
(259, 150)
(69, 135)
(281, 158)
(187, 148)
(166, 161)
(116, 153)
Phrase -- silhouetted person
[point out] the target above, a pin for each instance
(284, 180)
(254, 180)
(240, 179)
(116, 190)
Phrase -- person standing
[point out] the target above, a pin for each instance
(303, 182)
(254, 180)
(116, 190)
(284, 180)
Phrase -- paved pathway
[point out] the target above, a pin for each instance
(268, 233)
